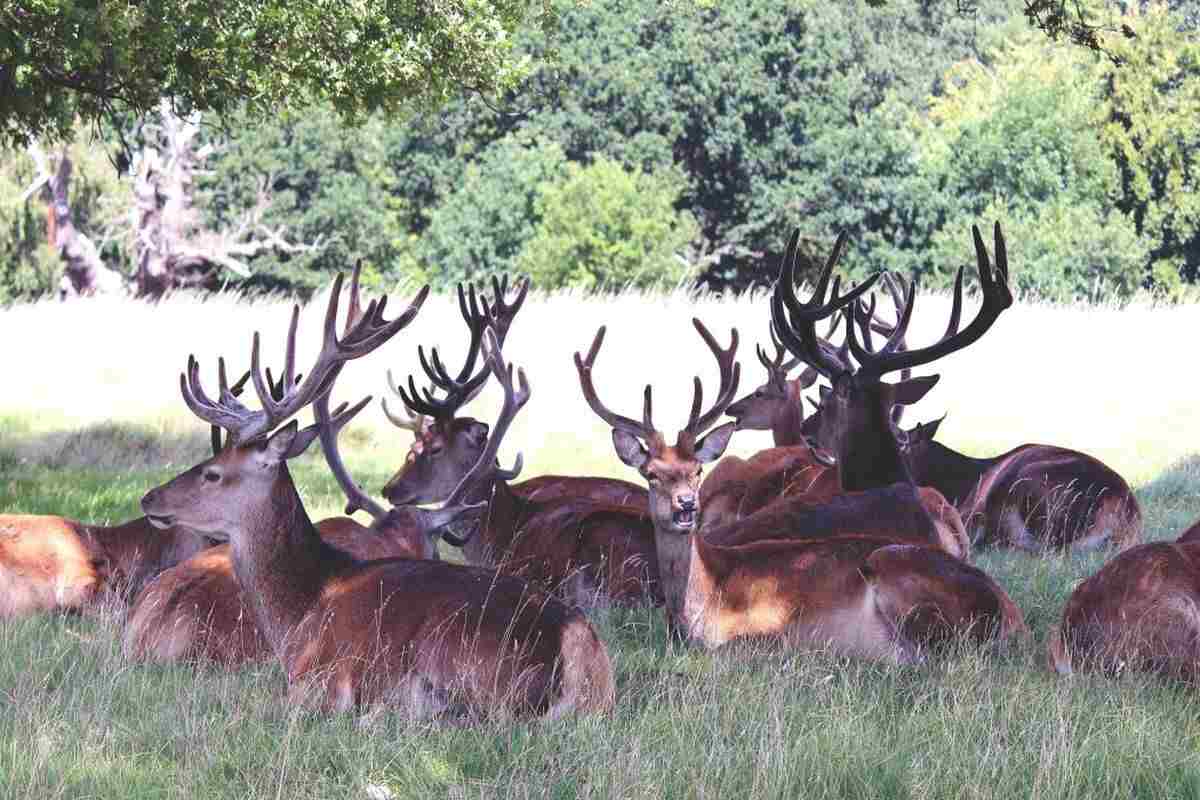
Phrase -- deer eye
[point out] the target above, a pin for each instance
(211, 476)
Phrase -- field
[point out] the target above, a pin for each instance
(92, 417)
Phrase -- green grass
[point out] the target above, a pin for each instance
(95, 420)
(77, 721)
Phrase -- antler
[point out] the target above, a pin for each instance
(996, 297)
(464, 387)
(236, 390)
(731, 373)
(795, 322)
(366, 334)
(645, 429)
(417, 423)
(514, 400)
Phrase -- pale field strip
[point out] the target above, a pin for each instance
(1114, 382)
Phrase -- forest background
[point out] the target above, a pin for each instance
(667, 144)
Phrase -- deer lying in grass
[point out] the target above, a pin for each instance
(1033, 497)
(195, 611)
(1139, 612)
(863, 595)
(579, 537)
(445, 445)
(52, 563)
(421, 635)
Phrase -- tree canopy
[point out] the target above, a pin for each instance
(63, 59)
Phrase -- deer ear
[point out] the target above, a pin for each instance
(926, 431)
(275, 450)
(303, 439)
(905, 393)
(807, 378)
(478, 433)
(713, 444)
(630, 449)
(824, 391)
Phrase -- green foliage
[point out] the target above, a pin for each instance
(61, 58)
(605, 227)
(328, 182)
(481, 226)
(1151, 116)
(1015, 140)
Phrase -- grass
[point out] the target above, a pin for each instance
(95, 420)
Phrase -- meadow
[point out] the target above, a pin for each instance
(90, 417)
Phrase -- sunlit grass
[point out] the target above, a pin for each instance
(91, 418)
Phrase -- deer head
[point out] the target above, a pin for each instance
(856, 410)
(447, 446)
(213, 496)
(672, 472)
(761, 409)
(412, 520)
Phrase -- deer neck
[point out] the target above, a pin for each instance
(689, 585)
(786, 427)
(281, 562)
(952, 473)
(136, 551)
(870, 457)
(495, 530)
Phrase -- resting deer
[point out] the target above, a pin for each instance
(445, 445)
(195, 611)
(807, 578)
(567, 534)
(1034, 496)
(1139, 612)
(52, 563)
(422, 635)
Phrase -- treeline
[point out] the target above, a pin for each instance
(675, 142)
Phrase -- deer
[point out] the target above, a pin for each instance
(53, 563)
(425, 636)
(1139, 612)
(583, 538)
(195, 611)
(809, 578)
(445, 444)
(1034, 497)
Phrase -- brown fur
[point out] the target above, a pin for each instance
(587, 538)
(586, 551)
(422, 635)
(195, 610)
(1043, 497)
(1139, 612)
(52, 563)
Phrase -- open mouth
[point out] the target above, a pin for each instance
(683, 518)
(160, 521)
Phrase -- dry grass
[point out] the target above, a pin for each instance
(1108, 381)
(95, 418)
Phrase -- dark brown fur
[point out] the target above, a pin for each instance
(1139, 612)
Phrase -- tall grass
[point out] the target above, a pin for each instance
(91, 418)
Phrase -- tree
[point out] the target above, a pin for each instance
(63, 59)
(605, 227)
(1150, 115)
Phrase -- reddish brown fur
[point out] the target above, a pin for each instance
(52, 563)
(195, 611)
(563, 531)
(1192, 534)
(588, 552)
(1140, 611)
(1043, 497)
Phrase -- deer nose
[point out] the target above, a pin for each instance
(687, 502)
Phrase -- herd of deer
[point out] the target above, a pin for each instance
(850, 533)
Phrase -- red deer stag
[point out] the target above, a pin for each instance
(564, 533)
(446, 445)
(422, 635)
(1033, 497)
(864, 595)
(1139, 612)
(195, 611)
